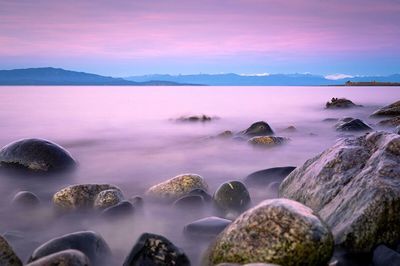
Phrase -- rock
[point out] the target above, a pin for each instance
(397, 130)
(137, 202)
(390, 110)
(384, 256)
(260, 128)
(152, 249)
(120, 210)
(36, 155)
(354, 186)
(25, 199)
(189, 202)
(77, 197)
(267, 141)
(7, 254)
(200, 192)
(69, 257)
(290, 129)
(206, 227)
(232, 198)
(176, 187)
(340, 103)
(279, 231)
(195, 118)
(267, 176)
(89, 243)
(394, 121)
(225, 134)
(353, 125)
(108, 198)
(330, 119)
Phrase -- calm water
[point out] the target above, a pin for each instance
(124, 136)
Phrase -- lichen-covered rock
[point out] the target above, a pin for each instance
(352, 125)
(394, 121)
(69, 257)
(108, 198)
(7, 254)
(206, 227)
(79, 196)
(36, 155)
(267, 141)
(232, 198)
(176, 187)
(390, 110)
(89, 243)
(152, 249)
(259, 128)
(354, 186)
(340, 103)
(267, 176)
(25, 199)
(279, 231)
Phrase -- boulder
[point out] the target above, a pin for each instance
(200, 192)
(340, 103)
(352, 125)
(354, 186)
(392, 122)
(290, 129)
(7, 254)
(193, 202)
(384, 256)
(279, 231)
(89, 243)
(152, 249)
(260, 128)
(120, 210)
(137, 202)
(225, 134)
(267, 141)
(69, 257)
(206, 227)
(37, 155)
(108, 198)
(77, 197)
(195, 118)
(232, 198)
(176, 187)
(267, 176)
(389, 110)
(25, 199)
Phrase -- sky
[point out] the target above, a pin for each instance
(135, 37)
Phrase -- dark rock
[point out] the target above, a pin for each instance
(200, 192)
(341, 257)
(7, 254)
(276, 231)
(266, 176)
(206, 227)
(189, 202)
(390, 110)
(260, 128)
(330, 119)
(225, 134)
(384, 256)
(353, 125)
(393, 122)
(397, 130)
(339, 103)
(232, 198)
(290, 129)
(69, 257)
(354, 186)
(267, 141)
(89, 243)
(137, 202)
(13, 235)
(152, 249)
(195, 118)
(36, 155)
(25, 199)
(120, 210)
(108, 198)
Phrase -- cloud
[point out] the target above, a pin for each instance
(256, 75)
(338, 76)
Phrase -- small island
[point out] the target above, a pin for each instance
(371, 83)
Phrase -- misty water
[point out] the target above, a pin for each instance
(127, 136)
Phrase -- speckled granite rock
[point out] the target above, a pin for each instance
(394, 121)
(108, 198)
(232, 198)
(279, 231)
(69, 257)
(354, 186)
(267, 141)
(152, 249)
(7, 254)
(79, 196)
(176, 187)
(389, 110)
(259, 128)
(36, 155)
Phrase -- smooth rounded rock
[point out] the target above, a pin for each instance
(279, 231)
(176, 187)
(108, 198)
(69, 257)
(232, 198)
(7, 254)
(259, 128)
(206, 227)
(389, 110)
(89, 243)
(37, 155)
(267, 176)
(267, 141)
(353, 125)
(120, 210)
(137, 202)
(25, 199)
(200, 192)
(152, 249)
(189, 202)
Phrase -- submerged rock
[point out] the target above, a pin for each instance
(339, 103)
(260, 128)
(389, 110)
(384, 256)
(69, 257)
(79, 196)
(290, 129)
(354, 186)
(267, 176)
(89, 243)
(195, 118)
(225, 134)
(189, 202)
(7, 254)
(25, 199)
(330, 119)
(267, 141)
(200, 192)
(120, 210)
(36, 155)
(395, 121)
(108, 198)
(352, 125)
(232, 198)
(176, 187)
(277, 231)
(137, 202)
(206, 227)
(152, 249)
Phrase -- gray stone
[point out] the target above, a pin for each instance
(206, 227)
(108, 198)
(189, 202)
(352, 125)
(7, 254)
(260, 128)
(69, 257)
(389, 110)
(25, 199)
(232, 198)
(120, 210)
(267, 176)
(340, 103)
(391, 122)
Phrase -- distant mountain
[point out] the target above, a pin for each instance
(232, 79)
(58, 76)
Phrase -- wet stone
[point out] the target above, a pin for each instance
(267, 176)
(25, 199)
(232, 198)
(190, 202)
(260, 128)
(108, 198)
(120, 210)
(206, 227)
(340, 103)
(69, 257)
(353, 125)
(389, 110)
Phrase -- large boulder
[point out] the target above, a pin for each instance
(152, 249)
(176, 187)
(69, 257)
(389, 110)
(81, 196)
(354, 186)
(340, 103)
(279, 231)
(232, 198)
(89, 243)
(36, 155)
(394, 121)
(108, 198)
(206, 227)
(259, 128)
(7, 254)
(267, 176)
